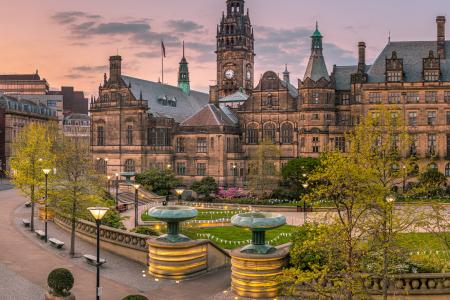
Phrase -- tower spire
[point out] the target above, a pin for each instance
(183, 75)
(316, 68)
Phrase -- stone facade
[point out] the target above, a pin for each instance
(138, 124)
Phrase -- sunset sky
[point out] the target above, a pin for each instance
(70, 41)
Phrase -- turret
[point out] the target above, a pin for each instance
(286, 75)
(115, 68)
(183, 75)
(316, 68)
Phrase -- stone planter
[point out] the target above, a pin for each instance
(51, 297)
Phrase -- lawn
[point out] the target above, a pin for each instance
(226, 237)
(204, 214)
(422, 242)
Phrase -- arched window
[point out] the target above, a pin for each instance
(269, 132)
(252, 134)
(287, 133)
(130, 135)
(433, 166)
(100, 136)
(101, 166)
(447, 170)
(129, 166)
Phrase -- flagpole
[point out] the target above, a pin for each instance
(162, 62)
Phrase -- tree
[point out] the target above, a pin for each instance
(263, 176)
(77, 186)
(32, 152)
(295, 173)
(158, 181)
(206, 186)
(432, 182)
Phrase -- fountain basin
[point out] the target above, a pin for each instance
(173, 215)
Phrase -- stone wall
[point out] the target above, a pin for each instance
(413, 284)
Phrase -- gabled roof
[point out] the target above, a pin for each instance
(209, 115)
(292, 89)
(412, 54)
(154, 92)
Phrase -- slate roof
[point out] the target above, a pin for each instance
(412, 54)
(209, 115)
(292, 89)
(316, 68)
(20, 77)
(342, 76)
(235, 97)
(186, 105)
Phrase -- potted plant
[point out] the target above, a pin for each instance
(135, 297)
(60, 282)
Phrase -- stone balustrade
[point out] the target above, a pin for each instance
(128, 244)
(412, 284)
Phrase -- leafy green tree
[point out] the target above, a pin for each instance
(77, 185)
(432, 182)
(158, 181)
(206, 186)
(32, 151)
(263, 176)
(295, 173)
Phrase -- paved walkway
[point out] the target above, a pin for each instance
(26, 261)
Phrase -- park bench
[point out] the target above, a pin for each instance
(40, 234)
(56, 243)
(122, 208)
(91, 259)
(26, 222)
(28, 204)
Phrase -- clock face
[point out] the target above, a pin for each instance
(249, 75)
(229, 74)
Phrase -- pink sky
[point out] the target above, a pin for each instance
(70, 41)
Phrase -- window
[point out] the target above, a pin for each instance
(339, 144)
(159, 137)
(52, 103)
(447, 96)
(432, 144)
(202, 145)
(448, 118)
(233, 145)
(252, 134)
(345, 99)
(374, 98)
(447, 170)
(448, 146)
(413, 145)
(394, 98)
(430, 97)
(101, 166)
(394, 76)
(129, 166)
(431, 119)
(286, 133)
(100, 136)
(412, 118)
(315, 98)
(315, 147)
(201, 169)
(315, 117)
(431, 75)
(130, 135)
(302, 142)
(269, 132)
(412, 97)
(181, 168)
(433, 166)
(180, 145)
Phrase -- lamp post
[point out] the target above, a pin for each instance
(107, 184)
(136, 196)
(404, 178)
(234, 174)
(46, 172)
(98, 213)
(117, 189)
(106, 165)
(305, 186)
(179, 191)
(390, 200)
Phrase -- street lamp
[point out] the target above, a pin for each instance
(98, 213)
(404, 178)
(136, 195)
(305, 186)
(179, 191)
(169, 166)
(107, 184)
(390, 199)
(234, 175)
(117, 189)
(46, 172)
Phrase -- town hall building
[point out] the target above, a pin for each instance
(138, 124)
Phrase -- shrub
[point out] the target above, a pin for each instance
(206, 186)
(135, 297)
(60, 282)
(146, 230)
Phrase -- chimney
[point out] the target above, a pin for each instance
(361, 57)
(440, 22)
(115, 68)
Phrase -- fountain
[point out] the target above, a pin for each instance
(255, 266)
(258, 223)
(173, 215)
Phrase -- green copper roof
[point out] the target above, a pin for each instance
(317, 32)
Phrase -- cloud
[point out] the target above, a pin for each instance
(65, 17)
(90, 69)
(184, 26)
(148, 54)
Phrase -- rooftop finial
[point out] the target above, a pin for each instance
(389, 37)
(183, 48)
(317, 25)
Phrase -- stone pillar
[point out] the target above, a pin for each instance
(177, 261)
(253, 275)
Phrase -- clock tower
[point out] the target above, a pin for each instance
(235, 50)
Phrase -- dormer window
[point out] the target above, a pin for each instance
(394, 68)
(431, 68)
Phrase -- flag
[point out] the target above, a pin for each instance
(163, 48)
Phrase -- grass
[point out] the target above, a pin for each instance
(232, 233)
(422, 242)
(203, 214)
